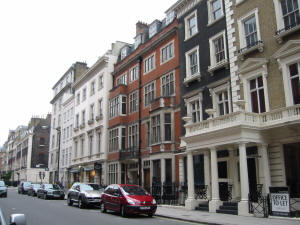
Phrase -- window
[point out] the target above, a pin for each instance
(290, 13)
(114, 140)
(167, 84)
(123, 138)
(192, 63)
(99, 141)
(113, 173)
(77, 120)
(191, 27)
(91, 144)
(223, 103)
(114, 107)
(148, 134)
(133, 102)
(76, 149)
(133, 136)
(257, 95)
(168, 132)
(294, 77)
(92, 88)
(215, 10)
(149, 93)
(138, 41)
(100, 104)
(218, 54)
(122, 79)
(83, 117)
(155, 129)
(82, 147)
(167, 52)
(83, 94)
(249, 30)
(78, 98)
(100, 82)
(123, 105)
(92, 112)
(195, 111)
(149, 64)
(53, 141)
(133, 74)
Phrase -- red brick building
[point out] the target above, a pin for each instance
(145, 120)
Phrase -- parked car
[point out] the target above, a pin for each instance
(3, 189)
(23, 187)
(50, 191)
(15, 219)
(128, 199)
(32, 190)
(97, 187)
(84, 195)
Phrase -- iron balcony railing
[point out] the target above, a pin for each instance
(129, 153)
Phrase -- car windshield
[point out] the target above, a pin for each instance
(53, 186)
(26, 184)
(36, 185)
(134, 190)
(2, 183)
(86, 187)
(96, 187)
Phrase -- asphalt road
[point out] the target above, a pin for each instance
(57, 212)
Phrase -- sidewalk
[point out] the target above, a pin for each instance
(179, 212)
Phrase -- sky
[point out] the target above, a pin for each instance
(41, 39)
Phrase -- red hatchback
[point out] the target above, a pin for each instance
(128, 199)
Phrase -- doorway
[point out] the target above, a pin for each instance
(251, 162)
(223, 180)
(147, 179)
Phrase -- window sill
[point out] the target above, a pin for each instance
(219, 65)
(191, 78)
(285, 32)
(259, 46)
(210, 23)
(189, 37)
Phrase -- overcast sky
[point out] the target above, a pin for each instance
(41, 39)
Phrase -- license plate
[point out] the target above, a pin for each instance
(56, 196)
(145, 207)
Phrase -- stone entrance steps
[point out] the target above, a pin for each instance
(203, 206)
(228, 208)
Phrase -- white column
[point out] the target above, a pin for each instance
(243, 208)
(190, 203)
(233, 173)
(215, 198)
(207, 177)
(264, 165)
(181, 169)
(163, 170)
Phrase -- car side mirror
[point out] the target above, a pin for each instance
(17, 219)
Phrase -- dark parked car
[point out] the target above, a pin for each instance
(15, 219)
(84, 195)
(23, 187)
(128, 199)
(3, 189)
(50, 191)
(32, 190)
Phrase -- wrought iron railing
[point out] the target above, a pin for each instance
(286, 28)
(129, 153)
(201, 191)
(255, 43)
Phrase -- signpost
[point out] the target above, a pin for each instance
(280, 201)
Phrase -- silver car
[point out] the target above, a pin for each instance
(3, 189)
(84, 195)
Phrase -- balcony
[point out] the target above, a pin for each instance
(162, 102)
(76, 129)
(280, 34)
(99, 117)
(255, 46)
(131, 153)
(275, 118)
(90, 121)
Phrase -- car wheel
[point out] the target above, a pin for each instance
(69, 201)
(5, 196)
(150, 215)
(102, 208)
(80, 203)
(123, 211)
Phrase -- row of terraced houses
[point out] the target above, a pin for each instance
(207, 98)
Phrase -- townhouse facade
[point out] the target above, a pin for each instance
(27, 151)
(144, 114)
(61, 121)
(91, 119)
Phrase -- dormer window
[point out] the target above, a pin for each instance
(124, 52)
(138, 41)
(170, 17)
(153, 28)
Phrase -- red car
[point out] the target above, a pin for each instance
(128, 199)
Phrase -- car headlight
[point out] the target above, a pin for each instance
(130, 201)
(153, 202)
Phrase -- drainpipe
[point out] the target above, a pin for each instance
(140, 120)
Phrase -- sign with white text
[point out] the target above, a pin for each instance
(280, 201)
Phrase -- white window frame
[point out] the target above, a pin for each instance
(213, 62)
(154, 90)
(131, 102)
(133, 137)
(241, 27)
(188, 103)
(147, 69)
(187, 28)
(100, 82)
(92, 111)
(189, 77)
(246, 77)
(92, 88)
(83, 94)
(91, 144)
(159, 129)
(170, 52)
(119, 106)
(163, 85)
(215, 92)
(122, 80)
(136, 67)
(113, 173)
(211, 19)
(112, 140)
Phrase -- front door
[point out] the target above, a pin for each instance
(223, 180)
(252, 178)
(147, 179)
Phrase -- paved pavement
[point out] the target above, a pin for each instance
(179, 212)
